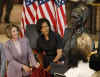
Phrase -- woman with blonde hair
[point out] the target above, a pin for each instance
(18, 53)
(85, 42)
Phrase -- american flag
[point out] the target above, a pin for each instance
(53, 10)
(28, 14)
(60, 16)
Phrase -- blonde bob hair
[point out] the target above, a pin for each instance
(84, 42)
(9, 28)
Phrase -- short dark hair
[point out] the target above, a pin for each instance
(9, 28)
(75, 55)
(40, 22)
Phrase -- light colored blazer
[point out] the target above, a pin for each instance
(16, 60)
(82, 70)
(3, 61)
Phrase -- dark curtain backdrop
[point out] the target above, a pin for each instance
(18, 1)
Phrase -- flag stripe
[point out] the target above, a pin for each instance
(41, 12)
(63, 14)
(32, 9)
(59, 24)
(23, 20)
(64, 9)
(51, 16)
(35, 5)
(22, 27)
(27, 22)
(31, 15)
(23, 24)
(61, 17)
(28, 17)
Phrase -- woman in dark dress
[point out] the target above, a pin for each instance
(50, 44)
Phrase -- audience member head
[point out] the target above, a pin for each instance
(12, 31)
(44, 26)
(75, 56)
(84, 41)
